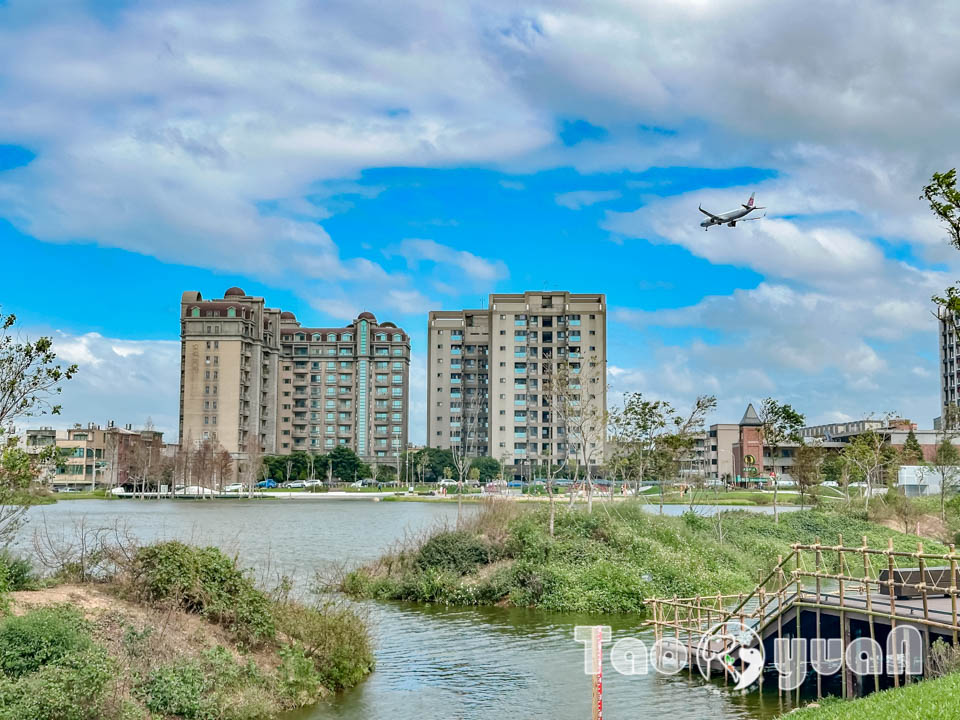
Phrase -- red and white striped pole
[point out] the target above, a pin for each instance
(598, 677)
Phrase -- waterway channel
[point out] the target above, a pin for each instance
(433, 661)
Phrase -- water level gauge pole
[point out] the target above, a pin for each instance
(598, 677)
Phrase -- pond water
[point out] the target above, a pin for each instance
(432, 662)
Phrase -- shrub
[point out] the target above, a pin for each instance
(17, 571)
(298, 676)
(178, 689)
(204, 688)
(459, 551)
(944, 659)
(335, 638)
(41, 637)
(204, 581)
(73, 688)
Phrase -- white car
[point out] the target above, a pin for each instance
(312, 483)
(234, 487)
(194, 490)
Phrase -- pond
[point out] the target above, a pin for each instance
(432, 662)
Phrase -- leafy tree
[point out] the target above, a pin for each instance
(872, 457)
(386, 474)
(676, 443)
(781, 425)
(905, 511)
(946, 457)
(808, 469)
(29, 376)
(637, 427)
(488, 468)
(944, 199)
(345, 463)
(912, 452)
(437, 460)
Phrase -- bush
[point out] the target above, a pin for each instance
(41, 637)
(17, 572)
(205, 688)
(73, 688)
(298, 676)
(204, 581)
(334, 637)
(944, 659)
(177, 689)
(459, 551)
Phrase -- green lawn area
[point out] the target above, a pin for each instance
(927, 700)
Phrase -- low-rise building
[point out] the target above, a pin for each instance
(91, 456)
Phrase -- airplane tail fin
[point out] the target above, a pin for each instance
(749, 205)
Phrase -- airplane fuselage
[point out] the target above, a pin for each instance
(727, 217)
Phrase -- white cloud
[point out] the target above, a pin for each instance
(472, 268)
(127, 381)
(577, 199)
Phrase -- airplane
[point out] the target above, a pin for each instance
(731, 218)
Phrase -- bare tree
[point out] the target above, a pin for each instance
(572, 394)
(552, 471)
(253, 466)
(223, 465)
(466, 449)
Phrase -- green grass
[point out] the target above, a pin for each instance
(925, 700)
(609, 561)
(85, 495)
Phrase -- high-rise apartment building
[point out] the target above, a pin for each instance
(488, 369)
(949, 372)
(252, 374)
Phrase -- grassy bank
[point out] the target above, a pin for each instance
(610, 560)
(938, 698)
(172, 632)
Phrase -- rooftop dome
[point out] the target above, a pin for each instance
(366, 316)
(234, 291)
(287, 315)
(387, 325)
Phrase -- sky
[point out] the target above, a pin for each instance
(404, 157)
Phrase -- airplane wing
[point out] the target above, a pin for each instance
(710, 214)
(758, 217)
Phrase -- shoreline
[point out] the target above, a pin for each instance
(393, 496)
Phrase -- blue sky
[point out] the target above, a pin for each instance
(421, 157)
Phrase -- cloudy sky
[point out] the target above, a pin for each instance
(401, 157)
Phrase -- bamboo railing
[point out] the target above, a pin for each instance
(832, 584)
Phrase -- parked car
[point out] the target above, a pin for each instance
(268, 483)
(296, 484)
(195, 490)
(312, 483)
(233, 487)
(446, 482)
